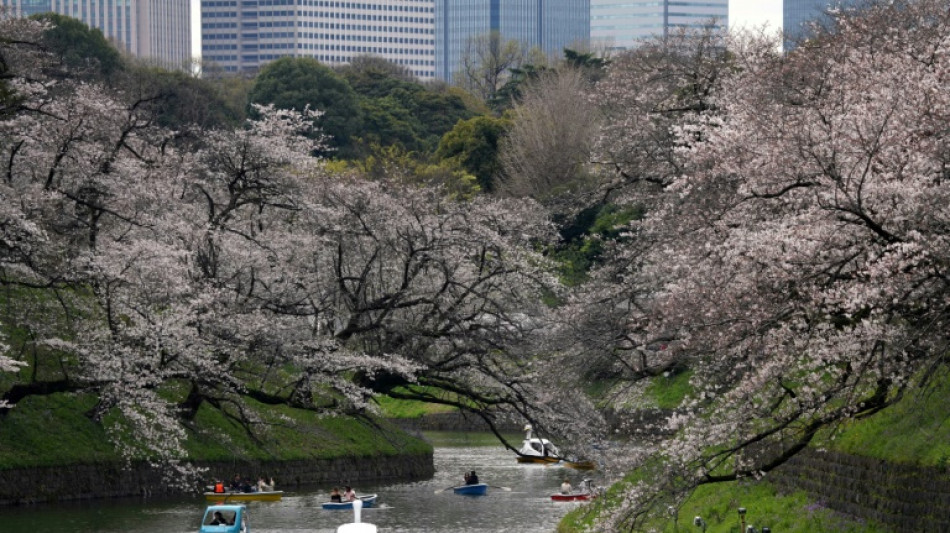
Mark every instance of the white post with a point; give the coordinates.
(357, 508)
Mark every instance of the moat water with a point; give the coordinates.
(420, 506)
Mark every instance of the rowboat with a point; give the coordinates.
(572, 497)
(368, 501)
(225, 519)
(262, 496)
(584, 493)
(477, 489)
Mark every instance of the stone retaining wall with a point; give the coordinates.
(903, 497)
(110, 480)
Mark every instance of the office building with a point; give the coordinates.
(617, 25)
(240, 36)
(158, 30)
(550, 25)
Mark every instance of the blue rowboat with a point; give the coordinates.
(368, 501)
(477, 489)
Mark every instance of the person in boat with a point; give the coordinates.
(218, 519)
(471, 479)
(349, 494)
(335, 495)
(588, 485)
(218, 487)
(236, 483)
(566, 487)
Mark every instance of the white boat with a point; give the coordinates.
(356, 526)
(537, 450)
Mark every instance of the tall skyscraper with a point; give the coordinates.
(150, 29)
(241, 36)
(551, 25)
(618, 25)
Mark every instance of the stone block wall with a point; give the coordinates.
(906, 498)
(111, 480)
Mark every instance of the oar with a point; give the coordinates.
(445, 489)
(506, 489)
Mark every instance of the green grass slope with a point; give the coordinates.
(54, 430)
(914, 431)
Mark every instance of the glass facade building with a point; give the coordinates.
(550, 25)
(240, 36)
(153, 29)
(617, 25)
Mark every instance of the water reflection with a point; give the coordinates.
(402, 507)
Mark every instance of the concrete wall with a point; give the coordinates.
(903, 497)
(110, 480)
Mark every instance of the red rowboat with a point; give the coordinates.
(572, 497)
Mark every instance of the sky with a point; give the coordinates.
(748, 13)
(754, 13)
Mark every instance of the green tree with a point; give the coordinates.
(295, 83)
(375, 76)
(439, 112)
(473, 143)
(80, 48)
(400, 110)
(593, 67)
(180, 100)
(510, 92)
(393, 163)
(386, 122)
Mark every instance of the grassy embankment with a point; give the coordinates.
(395, 408)
(54, 430)
(914, 431)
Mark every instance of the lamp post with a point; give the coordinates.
(674, 514)
(741, 519)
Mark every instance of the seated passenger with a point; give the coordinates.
(566, 487)
(335, 495)
(472, 479)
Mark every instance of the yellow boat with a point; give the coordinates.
(267, 496)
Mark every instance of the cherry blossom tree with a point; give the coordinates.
(793, 256)
(234, 267)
